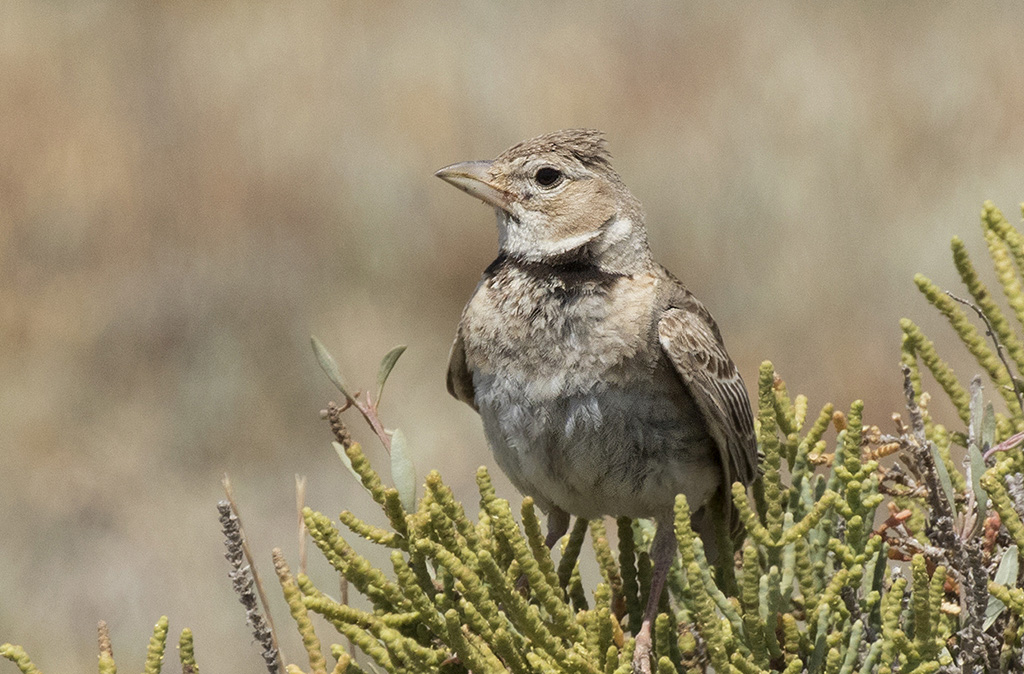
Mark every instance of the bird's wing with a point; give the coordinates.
(690, 338)
(460, 381)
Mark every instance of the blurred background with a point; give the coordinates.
(188, 190)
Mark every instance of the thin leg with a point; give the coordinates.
(558, 524)
(663, 551)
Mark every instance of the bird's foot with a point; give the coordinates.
(642, 650)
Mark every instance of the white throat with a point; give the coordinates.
(528, 240)
(616, 232)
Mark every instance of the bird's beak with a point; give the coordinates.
(472, 177)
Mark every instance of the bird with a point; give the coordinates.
(603, 384)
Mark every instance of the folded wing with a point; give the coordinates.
(690, 339)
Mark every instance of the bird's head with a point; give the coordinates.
(558, 199)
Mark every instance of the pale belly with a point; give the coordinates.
(604, 451)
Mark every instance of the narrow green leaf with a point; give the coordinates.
(980, 495)
(947, 484)
(1006, 575)
(327, 364)
(403, 472)
(988, 429)
(347, 461)
(387, 363)
(977, 410)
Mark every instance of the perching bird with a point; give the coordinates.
(603, 383)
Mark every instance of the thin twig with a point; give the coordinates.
(369, 411)
(242, 583)
(230, 493)
(999, 347)
(1007, 444)
(921, 448)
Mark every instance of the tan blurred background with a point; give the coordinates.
(188, 190)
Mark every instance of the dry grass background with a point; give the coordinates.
(188, 190)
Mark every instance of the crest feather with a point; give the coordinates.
(587, 146)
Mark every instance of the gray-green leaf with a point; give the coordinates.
(977, 410)
(988, 429)
(403, 472)
(1006, 575)
(343, 455)
(327, 364)
(387, 363)
(980, 495)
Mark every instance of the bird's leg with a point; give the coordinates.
(663, 551)
(558, 524)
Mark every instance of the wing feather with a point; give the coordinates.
(460, 381)
(692, 343)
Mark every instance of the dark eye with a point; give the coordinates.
(547, 176)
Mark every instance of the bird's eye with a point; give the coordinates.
(547, 176)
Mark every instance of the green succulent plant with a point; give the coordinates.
(865, 551)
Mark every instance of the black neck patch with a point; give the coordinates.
(575, 274)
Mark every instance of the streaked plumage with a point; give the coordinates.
(603, 384)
